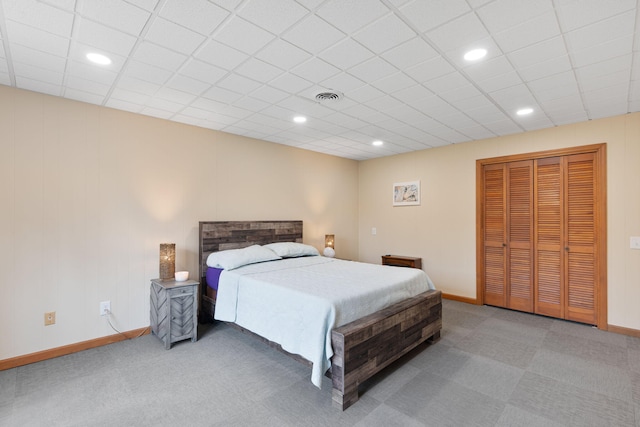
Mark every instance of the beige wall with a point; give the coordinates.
(442, 229)
(88, 193)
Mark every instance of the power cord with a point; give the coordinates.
(107, 314)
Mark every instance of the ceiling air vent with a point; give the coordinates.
(328, 96)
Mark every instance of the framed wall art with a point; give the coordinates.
(406, 193)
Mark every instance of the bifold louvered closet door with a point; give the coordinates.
(542, 231)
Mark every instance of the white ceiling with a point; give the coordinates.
(249, 66)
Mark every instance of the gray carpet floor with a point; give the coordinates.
(492, 367)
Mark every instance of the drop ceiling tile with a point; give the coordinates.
(394, 83)
(39, 15)
(384, 34)
(486, 114)
(187, 84)
(503, 127)
(553, 87)
(81, 96)
(84, 85)
(500, 82)
(38, 86)
(458, 95)
(410, 53)
(269, 94)
(290, 83)
(315, 70)
(351, 15)
(92, 72)
(174, 95)
(104, 38)
(282, 54)
(412, 93)
(346, 53)
(164, 105)
(37, 39)
(258, 70)
(545, 68)
(159, 56)
(373, 69)
(275, 17)
(503, 14)
(382, 105)
(447, 82)
(202, 71)
(364, 93)
(490, 68)
(31, 72)
(222, 95)
(144, 4)
(433, 106)
(252, 104)
(603, 81)
(123, 105)
(156, 112)
(115, 14)
(279, 113)
(602, 31)
(530, 32)
(129, 96)
(426, 16)
(39, 59)
(429, 70)
(342, 82)
(539, 52)
(222, 56)
(243, 35)
(201, 16)
(313, 35)
(135, 85)
(174, 37)
(460, 33)
(146, 72)
(602, 52)
(574, 14)
(513, 98)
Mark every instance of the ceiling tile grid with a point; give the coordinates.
(249, 66)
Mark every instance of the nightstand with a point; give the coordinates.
(402, 261)
(174, 310)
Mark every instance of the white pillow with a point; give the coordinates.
(234, 258)
(292, 249)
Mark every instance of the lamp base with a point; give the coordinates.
(329, 252)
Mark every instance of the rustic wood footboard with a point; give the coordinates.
(364, 347)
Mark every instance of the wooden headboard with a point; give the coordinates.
(221, 235)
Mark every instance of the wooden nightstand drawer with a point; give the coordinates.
(402, 261)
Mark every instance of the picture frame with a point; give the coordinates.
(406, 193)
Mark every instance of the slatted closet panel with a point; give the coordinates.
(542, 226)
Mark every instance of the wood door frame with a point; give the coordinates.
(600, 151)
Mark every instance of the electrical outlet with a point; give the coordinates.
(50, 318)
(105, 308)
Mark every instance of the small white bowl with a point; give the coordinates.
(181, 276)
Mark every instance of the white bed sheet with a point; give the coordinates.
(296, 302)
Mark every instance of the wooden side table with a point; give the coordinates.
(174, 310)
(402, 261)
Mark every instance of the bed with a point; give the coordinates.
(396, 319)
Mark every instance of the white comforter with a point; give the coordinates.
(296, 302)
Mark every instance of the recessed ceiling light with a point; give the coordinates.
(524, 111)
(299, 119)
(98, 58)
(377, 143)
(475, 54)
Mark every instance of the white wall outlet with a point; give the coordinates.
(374, 231)
(634, 242)
(105, 308)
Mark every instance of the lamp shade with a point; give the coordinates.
(329, 240)
(167, 260)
